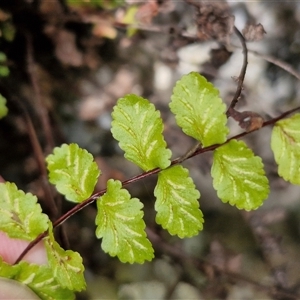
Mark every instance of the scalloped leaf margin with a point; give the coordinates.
(199, 110)
(121, 226)
(66, 265)
(21, 215)
(177, 203)
(138, 127)
(38, 278)
(73, 171)
(239, 176)
(285, 144)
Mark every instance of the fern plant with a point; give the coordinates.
(238, 178)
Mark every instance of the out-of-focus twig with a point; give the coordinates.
(40, 108)
(269, 245)
(241, 77)
(275, 61)
(201, 264)
(236, 96)
(39, 156)
(42, 112)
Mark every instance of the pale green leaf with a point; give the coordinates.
(177, 203)
(198, 110)
(66, 265)
(39, 278)
(121, 226)
(7, 270)
(138, 127)
(239, 176)
(3, 107)
(73, 171)
(21, 215)
(285, 143)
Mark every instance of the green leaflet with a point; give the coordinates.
(285, 144)
(73, 171)
(38, 278)
(7, 270)
(198, 109)
(66, 265)
(138, 127)
(21, 215)
(121, 226)
(177, 203)
(3, 107)
(238, 176)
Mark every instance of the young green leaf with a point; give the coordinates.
(21, 215)
(40, 280)
(73, 171)
(3, 107)
(66, 265)
(138, 127)
(120, 225)
(177, 203)
(198, 109)
(285, 143)
(238, 176)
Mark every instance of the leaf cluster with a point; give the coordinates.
(238, 178)
(22, 218)
(238, 174)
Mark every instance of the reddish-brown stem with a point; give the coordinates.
(40, 159)
(94, 197)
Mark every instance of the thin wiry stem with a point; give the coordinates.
(241, 77)
(236, 96)
(40, 108)
(176, 161)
